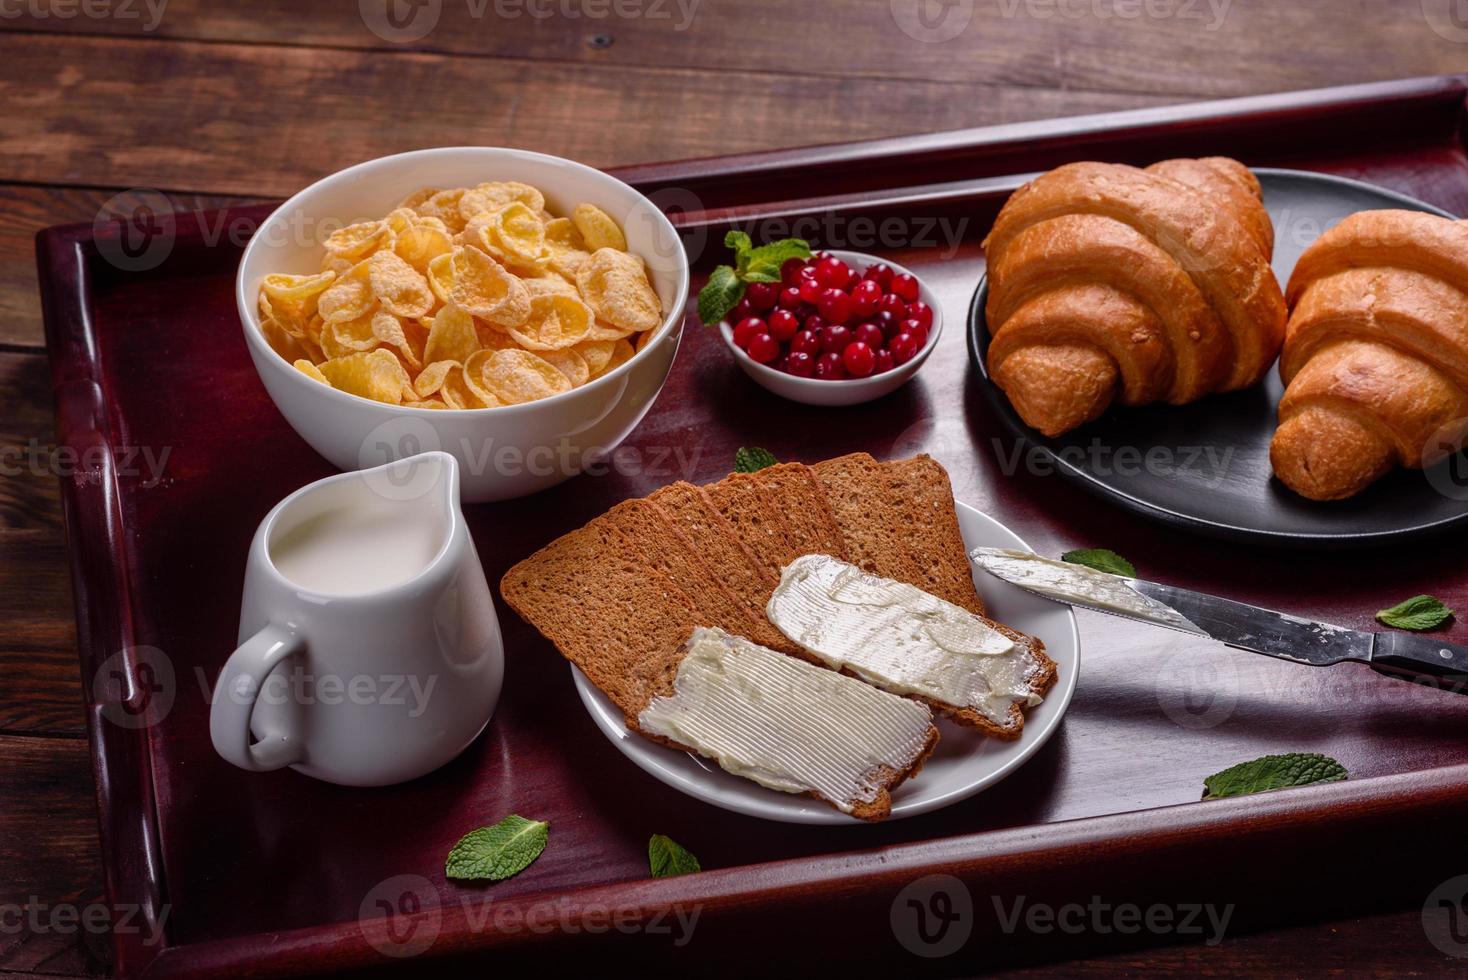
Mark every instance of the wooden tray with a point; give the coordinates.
(279, 874)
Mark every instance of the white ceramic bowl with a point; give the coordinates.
(852, 391)
(503, 452)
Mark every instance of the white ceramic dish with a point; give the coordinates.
(852, 391)
(503, 452)
(963, 764)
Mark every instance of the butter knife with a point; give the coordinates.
(1406, 656)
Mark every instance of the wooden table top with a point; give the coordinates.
(222, 103)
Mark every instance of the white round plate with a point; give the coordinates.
(963, 764)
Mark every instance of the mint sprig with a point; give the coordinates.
(1102, 560)
(1421, 612)
(1272, 772)
(668, 859)
(726, 285)
(498, 852)
(752, 459)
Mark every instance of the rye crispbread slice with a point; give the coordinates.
(856, 489)
(668, 549)
(606, 611)
(920, 486)
(742, 502)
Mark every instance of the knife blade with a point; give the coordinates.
(1416, 658)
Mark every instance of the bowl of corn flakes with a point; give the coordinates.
(517, 310)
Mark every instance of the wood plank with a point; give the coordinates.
(1202, 48)
(51, 857)
(24, 210)
(42, 690)
(253, 120)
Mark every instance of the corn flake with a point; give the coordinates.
(376, 375)
(517, 376)
(598, 229)
(614, 284)
(556, 322)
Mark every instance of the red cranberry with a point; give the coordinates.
(885, 362)
(764, 348)
(892, 303)
(800, 363)
(790, 272)
(790, 298)
(906, 287)
(742, 311)
(835, 338)
(833, 273)
(870, 334)
(810, 287)
(815, 323)
(904, 347)
(747, 329)
(891, 325)
(922, 313)
(858, 360)
(761, 296)
(881, 274)
(806, 342)
(783, 325)
(918, 333)
(865, 296)
(822, 255)
(830, 368)
(835, 306)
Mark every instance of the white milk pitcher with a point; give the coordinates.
(369, 649)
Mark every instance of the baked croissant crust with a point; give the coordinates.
(1109, 283)
(1375, 360)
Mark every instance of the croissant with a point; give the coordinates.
(1375, 360)
(1109, 283)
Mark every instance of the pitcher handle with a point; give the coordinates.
(234, 700)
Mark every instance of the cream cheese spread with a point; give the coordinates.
(784, 723)
(901, 638)
(1067, 582)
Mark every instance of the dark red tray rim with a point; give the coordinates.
(951, 164)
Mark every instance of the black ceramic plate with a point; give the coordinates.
(1205, 466)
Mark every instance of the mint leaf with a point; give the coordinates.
(1273, 772)
(763, 264)
(752, 460)
(739, 241)
(668, 859)
(1421, 612)
(498, 852)
(1101, 559)
(720, 295)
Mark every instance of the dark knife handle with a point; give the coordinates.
(1423, 660)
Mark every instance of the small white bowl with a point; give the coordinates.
(503, 452)
(851, 391)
